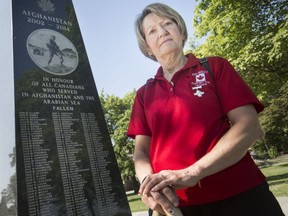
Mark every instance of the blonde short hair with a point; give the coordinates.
(163, 11)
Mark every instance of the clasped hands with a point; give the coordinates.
(158, 190)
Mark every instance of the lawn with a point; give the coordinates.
(276, 172)
(135, 203)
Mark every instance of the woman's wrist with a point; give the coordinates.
(143, 179)
(196, 171)
(192, 174)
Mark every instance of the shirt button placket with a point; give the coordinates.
(172, 87)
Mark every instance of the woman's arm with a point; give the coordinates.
(141, 157)
(166, 198)
(232, 147)
(245, 130)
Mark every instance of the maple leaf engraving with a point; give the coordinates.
(46, 5)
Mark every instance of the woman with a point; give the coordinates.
(192, 131)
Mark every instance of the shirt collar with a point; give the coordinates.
(191, 62)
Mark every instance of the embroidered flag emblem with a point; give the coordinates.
(200, 77)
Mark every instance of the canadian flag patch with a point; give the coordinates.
(200, 77)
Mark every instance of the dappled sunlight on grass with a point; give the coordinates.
(135, 203)
(277, 176)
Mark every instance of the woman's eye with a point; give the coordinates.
(168, 23)
(151, 31)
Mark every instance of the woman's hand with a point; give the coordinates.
(158, 189)
(179, 179)
(165, 198)
(176, 179)
(157, 201)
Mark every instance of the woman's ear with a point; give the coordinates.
(149, 51)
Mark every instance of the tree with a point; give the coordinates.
(3, 203)
(117, 113)
(8, 205)
(253, 36)
(274, 121)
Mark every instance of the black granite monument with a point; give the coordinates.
(65, 159)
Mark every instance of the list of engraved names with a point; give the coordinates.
(72, 150)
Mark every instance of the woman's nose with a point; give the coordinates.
(163, 31)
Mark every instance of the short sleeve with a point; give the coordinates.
(231, 88)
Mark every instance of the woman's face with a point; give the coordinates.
(162, 36)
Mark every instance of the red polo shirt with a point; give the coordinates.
(186, 117)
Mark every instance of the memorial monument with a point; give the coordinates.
(65, 159)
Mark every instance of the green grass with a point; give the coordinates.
(135, 203)
(277, 176)
(276, 172)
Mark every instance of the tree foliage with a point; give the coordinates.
(274, 121)
(117, 113)
(8, 205)
(253, 36)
